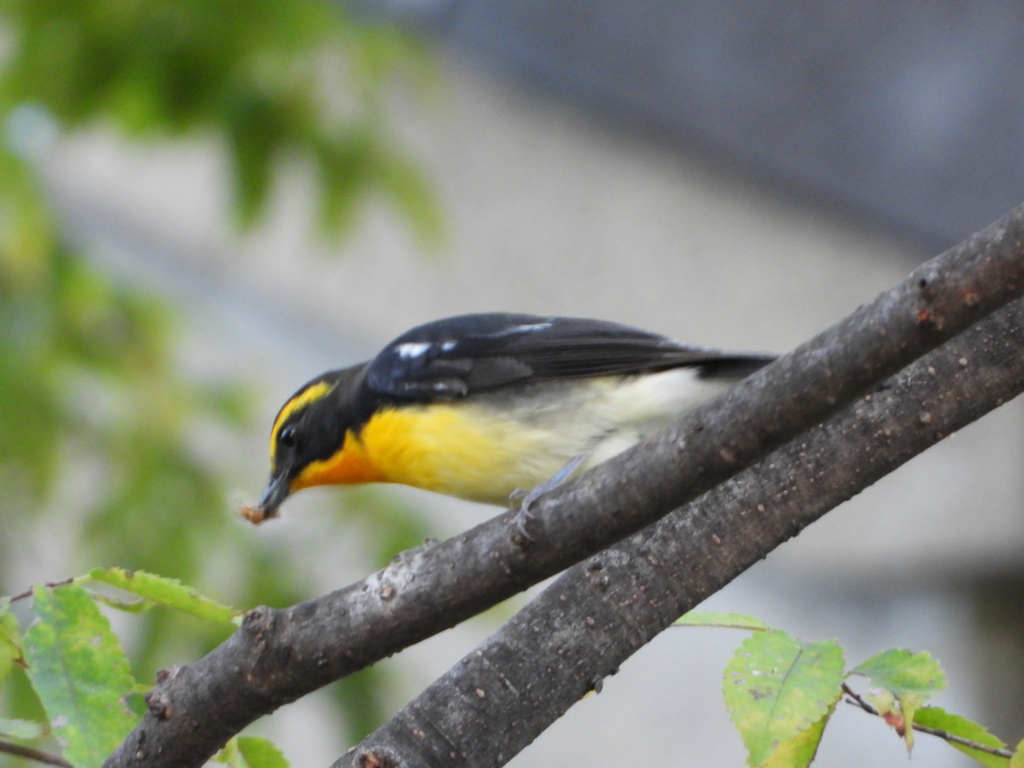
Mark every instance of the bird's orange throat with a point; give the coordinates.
(351, 464)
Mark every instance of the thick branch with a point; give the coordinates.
(500, 697)
(278, 656)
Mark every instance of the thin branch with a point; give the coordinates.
(278, 656)
(49, 585)
(501, 696)
(34, 754)
(857, 701)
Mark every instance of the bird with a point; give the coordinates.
(481, 406)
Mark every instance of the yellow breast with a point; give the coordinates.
(459, 450)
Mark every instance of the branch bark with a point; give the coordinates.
(501, 696)
(278, 656)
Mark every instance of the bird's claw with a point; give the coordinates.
(521, 500)
(525, 499)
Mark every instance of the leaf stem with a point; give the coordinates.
(34, 754)
(857, 701)
(48, 585)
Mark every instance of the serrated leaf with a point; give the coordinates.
(165, 591)
(936, 717)
(1017, 761)
(913, 678)
(80, 674)
(903, 672)
(10, 641)
(799, 751)
(21, 729)
(776, 686)
(261, 753)
(716, 619)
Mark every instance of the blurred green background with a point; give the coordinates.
(88, 374)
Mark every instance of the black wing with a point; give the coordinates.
(454, 357)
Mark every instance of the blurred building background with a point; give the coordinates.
(730, 174)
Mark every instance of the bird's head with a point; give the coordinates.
(312, 439)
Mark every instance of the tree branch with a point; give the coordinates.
(501, 696)
(49, 585)
(278, 656)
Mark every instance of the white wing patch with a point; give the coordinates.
(412, 349)
(525, 328)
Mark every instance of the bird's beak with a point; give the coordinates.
(276, 493)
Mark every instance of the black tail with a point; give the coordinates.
(734, 368)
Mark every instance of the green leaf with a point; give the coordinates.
(261, 753)
(913, 678)
(229, 755)
(10, 641)
(169, 592)
(903, 672)
(799, 751)
(1017, 761)
(21, 729)
(936, 717)
(251, 752)
(80, 673)
(716, 619)
(776, 686)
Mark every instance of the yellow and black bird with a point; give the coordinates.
(479, 406)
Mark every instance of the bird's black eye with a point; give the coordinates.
(287, 437)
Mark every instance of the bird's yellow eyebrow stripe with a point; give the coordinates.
(304, 398)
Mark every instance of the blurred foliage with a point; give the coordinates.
(88, 380)
(272, 78)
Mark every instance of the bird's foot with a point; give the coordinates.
(524, 500)
(520, 500)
